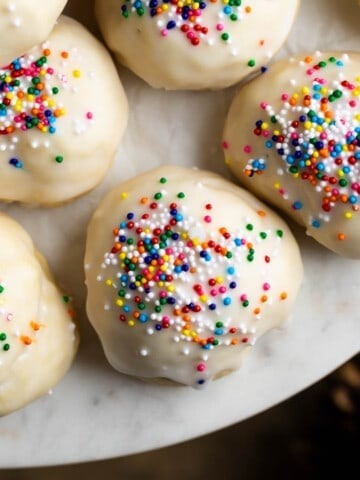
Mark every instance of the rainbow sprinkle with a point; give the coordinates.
(160, 253)
(27, 99)
(186, 16)
(316, 132)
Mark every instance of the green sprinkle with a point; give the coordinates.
(229, 255)
(263, 235)
(251, 63)
(6, 347)
(225, 36)
(279, 233)
(245, 303)
(181, 195)
(66, 298)
(141, 306)
(233, 17)
(219, 324)
(157, 309)
(121, 293)
(215, 342)
(59, 158)
(250, 227)
(343, 182)
(2, 336)
(158, 195)
(55, 90)
(1, 289)
(163, 180)
(322, 64)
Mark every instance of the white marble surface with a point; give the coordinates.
(96, 413)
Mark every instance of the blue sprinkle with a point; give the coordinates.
(227, 301)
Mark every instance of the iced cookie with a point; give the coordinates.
(24, 24)
(292, 136)
(185, 271)
(195, 45)
(62, 115)
(38, 338)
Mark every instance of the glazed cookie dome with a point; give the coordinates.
(38, 338)
(24, 24)
(62, 115)
(185, 271)
(292, 136)
(195, 45)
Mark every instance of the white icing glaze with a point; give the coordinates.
(163, 54)
(87, 110)
(38, 338)
(327, 139)
(24, 24)
(186, 305)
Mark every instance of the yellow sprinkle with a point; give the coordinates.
(184, 235)
(203, 298)
(305, 90)
(340, 173)
(165, 7)
(195, 241)
(31, 98)
(151, 268)
(163, 268)
(277, 185)
(108, 282)
(227, 160)
(264, 126)
(193, 333)
(131, 323)
(122, 256)
(319, 129)
(357, 117)
(137, 284)
(76, 73)
(123, 195)
(219, 279)
(171, 288)
(276, 132)
(161, 284)
(119, 302)
(307, 125)
(324, 90)
(348, 215)
(51, 102)
(147, 230)
(186, 332)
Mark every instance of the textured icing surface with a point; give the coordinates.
(37, 334)
(293, 137)
(194, 45)
(24, 24)
(62, 114)
(184, 272)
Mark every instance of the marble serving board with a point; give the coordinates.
(97, 413)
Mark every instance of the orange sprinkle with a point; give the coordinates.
(308, 59)
(36, 326)
(263, 298)
(343, 198)
(144, 200)
(234, 341)
(247, 9)
(71, 313)
(341, 236)
(261, 213)
(283, 296)
(47, 52)
(177, 312)
(261, 43)
(26, 340)
(65, 54)
(257, 310)
(192, 270)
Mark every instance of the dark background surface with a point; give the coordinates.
(312, 435)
